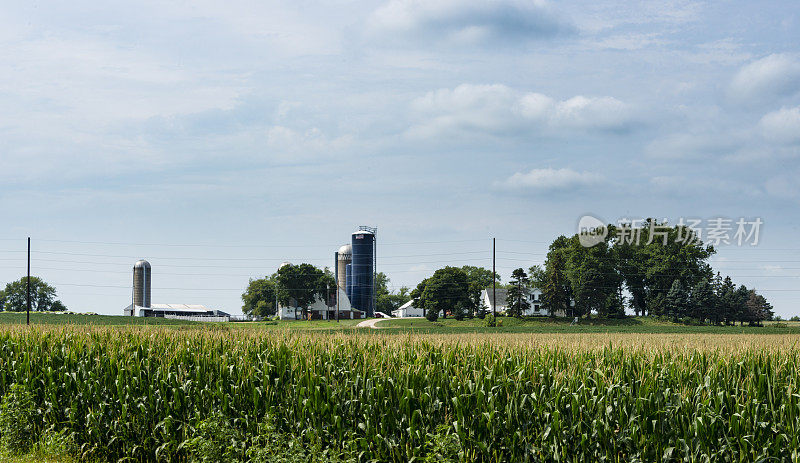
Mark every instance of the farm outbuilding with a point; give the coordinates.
(179, 311)
(408, 310)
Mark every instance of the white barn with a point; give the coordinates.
(320, 310)
(408, 310)
(192, 312)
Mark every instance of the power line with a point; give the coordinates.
(208, 245)
(237, 258)
(246, 267)
(250, 275)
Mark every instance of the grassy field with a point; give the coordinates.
(277, 392)
(417, 325)
(38, 318)
(297, 325)
(563, 325)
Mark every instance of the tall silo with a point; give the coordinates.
(345, 257)
(141, 284)
(363, 243)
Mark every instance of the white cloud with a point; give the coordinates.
(629, 41)
(783, 186)
(703, 186)
(552, 180)
(782, 126)
(602, 113)
(289, 144)
(597, 17)
(766, 79)
(693, 145)
(465, 21)
(95, 82)
(501, 110)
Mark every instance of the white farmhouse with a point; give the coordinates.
(533, 295)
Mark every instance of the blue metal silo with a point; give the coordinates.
(363, 271)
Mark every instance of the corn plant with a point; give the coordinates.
(140, 393)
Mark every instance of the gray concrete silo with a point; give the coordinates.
(345, 257)
(141, 284)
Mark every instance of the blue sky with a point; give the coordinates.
(260, 132)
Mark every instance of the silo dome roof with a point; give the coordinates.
(141, 264)
(346, 249)
(284, 265)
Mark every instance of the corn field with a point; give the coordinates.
(138, 393)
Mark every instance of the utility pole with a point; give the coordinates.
(336, 279)
(494, 280)
(374, 269)
(28, 317)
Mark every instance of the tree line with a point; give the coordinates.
(662, 273)
(451, 290)
(665, 273)
(300, 285)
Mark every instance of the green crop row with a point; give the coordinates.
(138, 394)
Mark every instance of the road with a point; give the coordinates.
(371, 323)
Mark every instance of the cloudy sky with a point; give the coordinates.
(218, 139)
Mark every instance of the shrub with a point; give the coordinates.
(490, 320)
(444, 446)
(215, 440)
(271, 446)
(432, 315)
(57, 444)
(17, 420)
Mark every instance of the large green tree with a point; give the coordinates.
(260, 298)
(677, 301)
(447, 290)
(517, 295)
(43, 296)
(478, 279)
(758, 308)
(703, 301)
(728, 301)
(741, 312)
(650, 257)
(299, 285)
(553, 281)
(593, 277)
